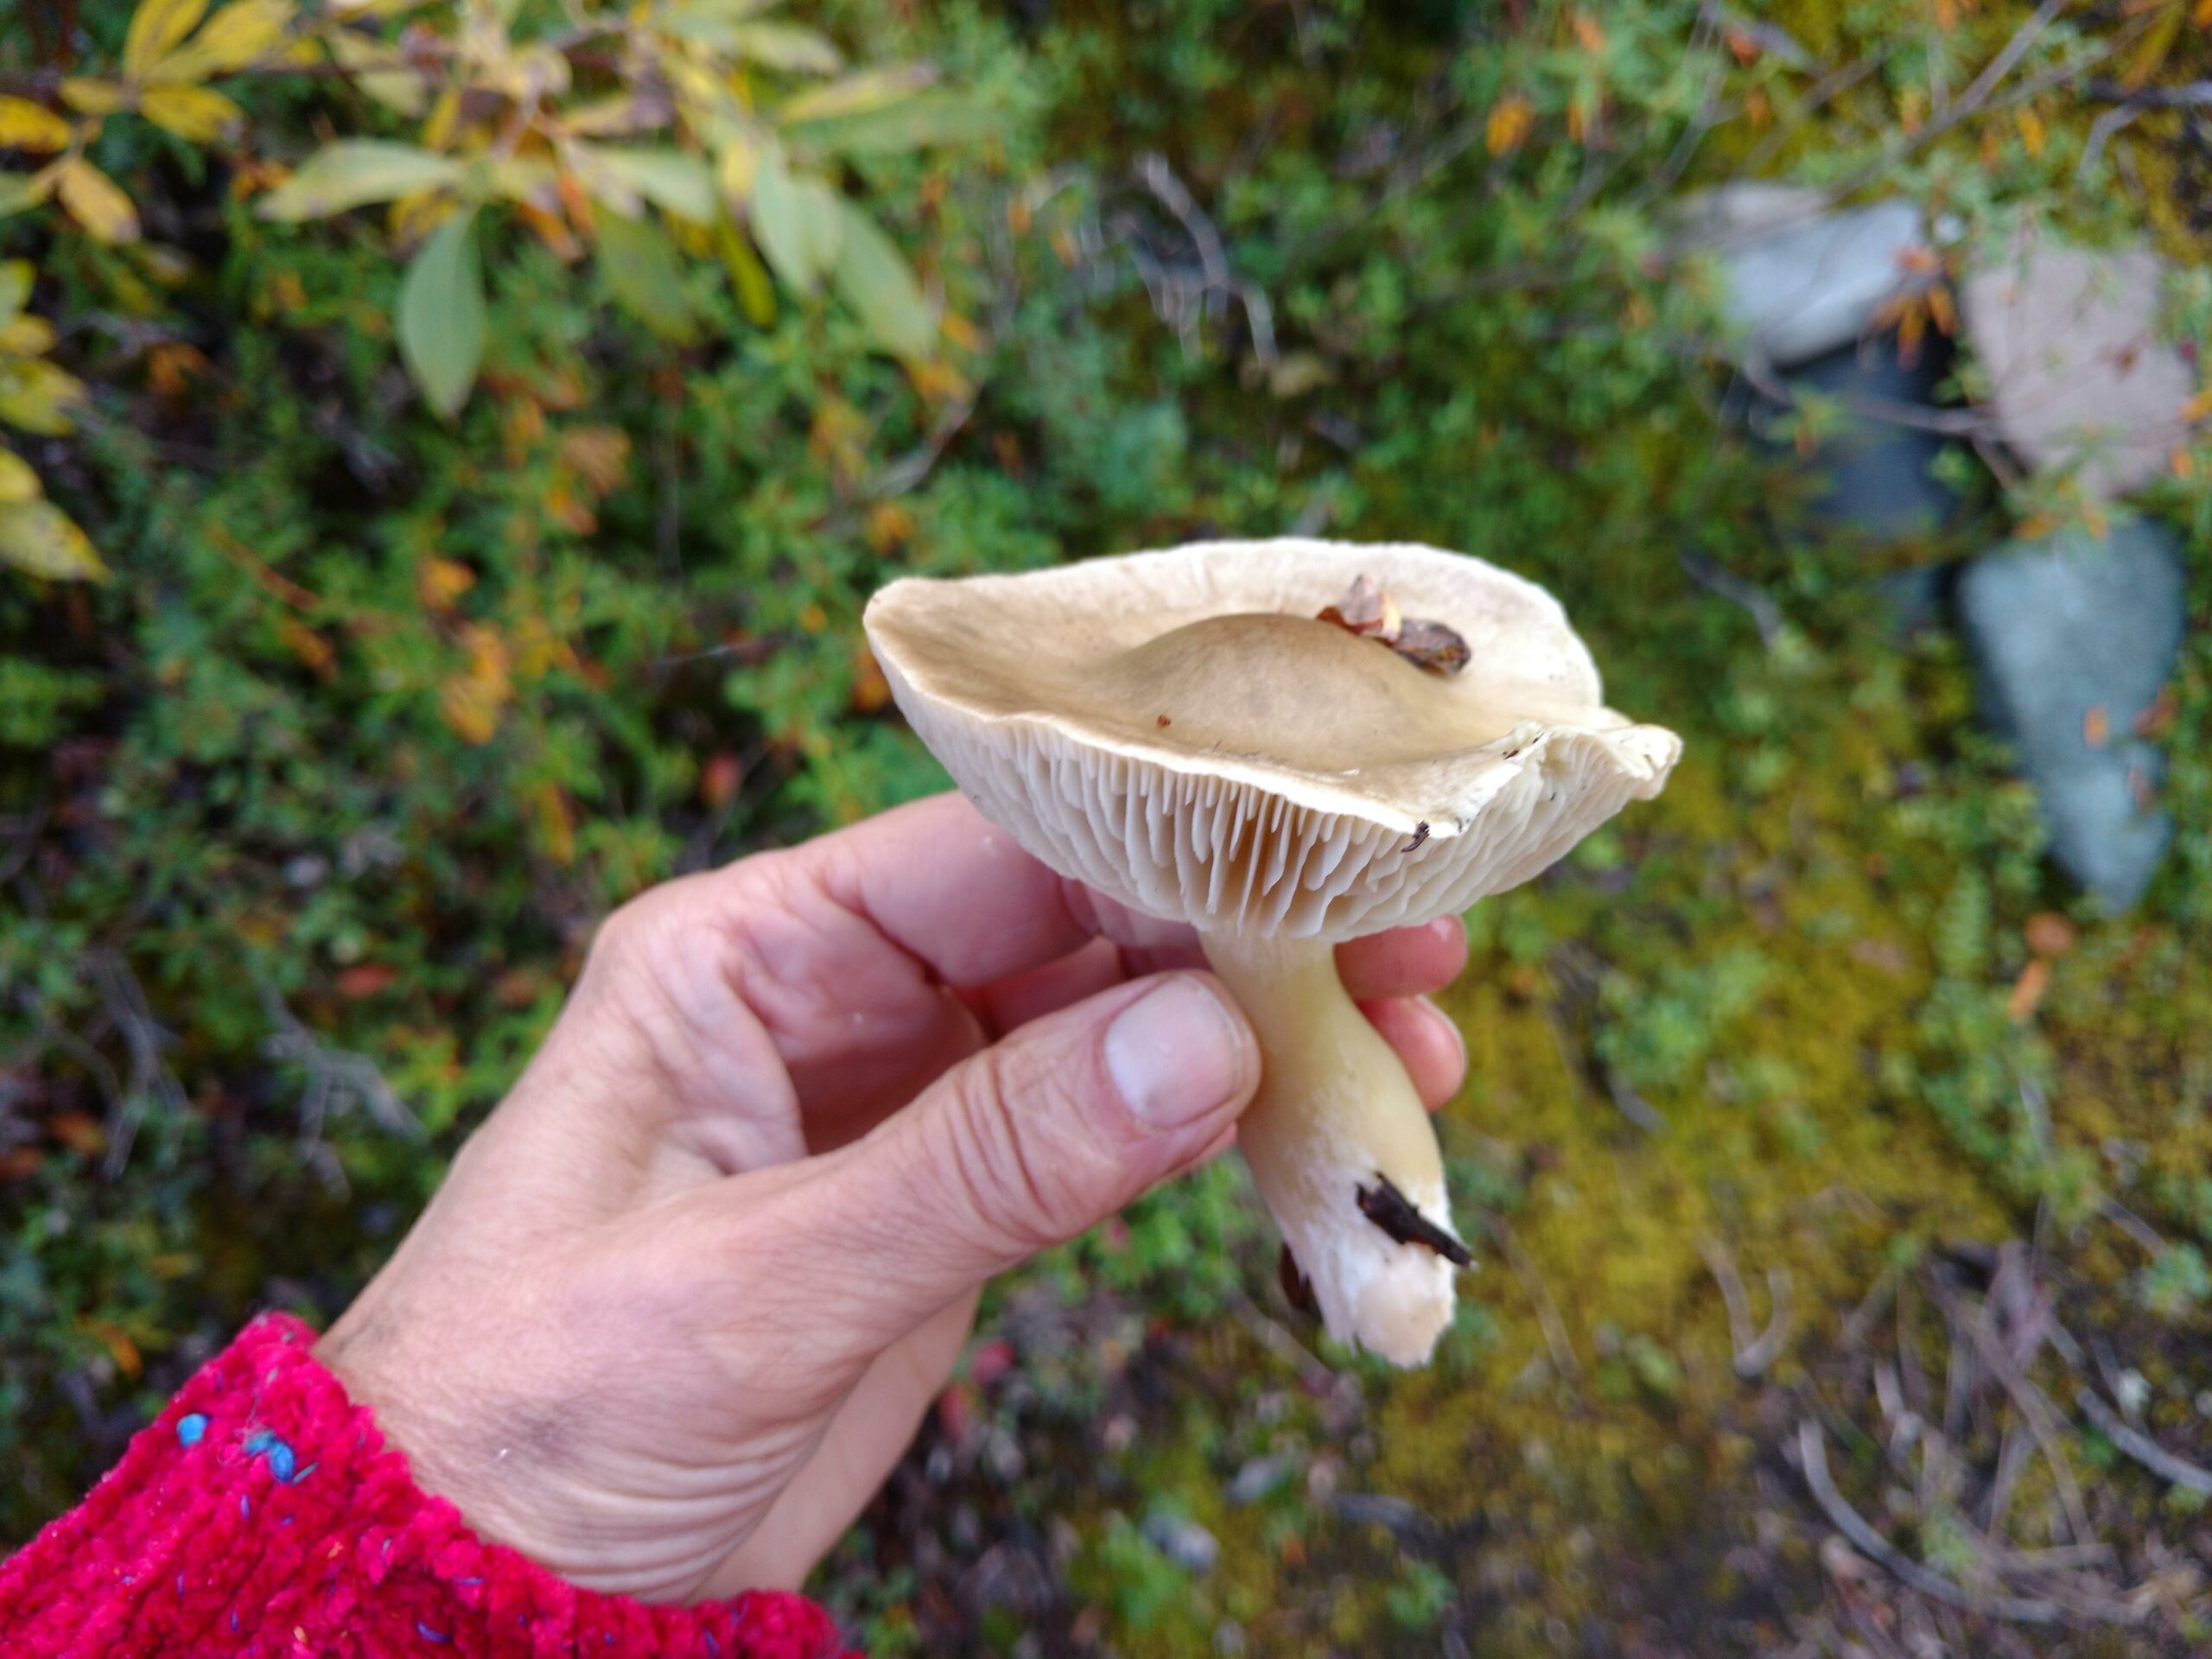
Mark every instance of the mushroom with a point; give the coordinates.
(1185, 733)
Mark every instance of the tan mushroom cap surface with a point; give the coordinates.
(1177, 729)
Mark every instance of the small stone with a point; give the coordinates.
(2068, 341)
(307, 870)
(1257, 1479)
(2057, 628)
(1802, 280)
(1183, 1541)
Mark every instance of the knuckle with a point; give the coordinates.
(1002, 1161)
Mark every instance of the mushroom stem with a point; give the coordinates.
(1336, 1113)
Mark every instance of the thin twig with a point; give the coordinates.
(1755, 1350)
(2141, 1447)
(1631, 1103)
(2041, 1417)
(334, 1074)
(2197, 95)
(1173, 293)
(1812, 1451)
(1765, 613)
(1554, 1328)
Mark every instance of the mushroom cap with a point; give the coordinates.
(1176, 729)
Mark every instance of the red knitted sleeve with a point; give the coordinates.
(263, 1515)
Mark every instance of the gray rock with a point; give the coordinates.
(1183, 1541)
(2078, 373)
(1802, 280)
(2072, 639)
(1874, 474)
(1260, 1477)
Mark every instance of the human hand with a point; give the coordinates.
(683, 1299)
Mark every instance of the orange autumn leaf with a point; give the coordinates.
(365, 979)
(1510, 121)
(2049, 934)
(1942, 310)
(598, 454)
(311, 647)
(871, 691)
(79, 1131)
(557, 826)
(440, 582)
(2028, 990)
(719, 780)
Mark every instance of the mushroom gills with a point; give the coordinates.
(1336, 1122)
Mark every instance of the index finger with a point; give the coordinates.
(957, 892)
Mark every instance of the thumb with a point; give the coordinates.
(1021, 1147)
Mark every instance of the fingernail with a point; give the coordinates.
(1451, 1026)
(1176, 1054)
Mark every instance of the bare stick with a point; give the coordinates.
(2142, 1447)
(1754, 1351)
(1812, 1451)
(1554, 1328)
(2042, 1418)
(1766, 615)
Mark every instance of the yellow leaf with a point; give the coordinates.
(1511, 119)
(193, 113)
(556, 828)
(89, 96)
(25, 125)
(26, 336)
(440, 582)
(2032, 131)
(38, 538)
(2196, 408)
(36, 397)
(17, 482)
(379, 71)
(236, 36)
(2158, 45)
(96, 203)
(157, 27)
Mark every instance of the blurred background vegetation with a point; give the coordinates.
(447, 447)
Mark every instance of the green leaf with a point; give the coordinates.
(785, 46)
(797, 222)
(39, 538)
(644, 275)
(355, 171)
(874, 277)
(684, 185)
(20, 190)
(694, 13)
(871, 89)
(896, 129)
(441, 314)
